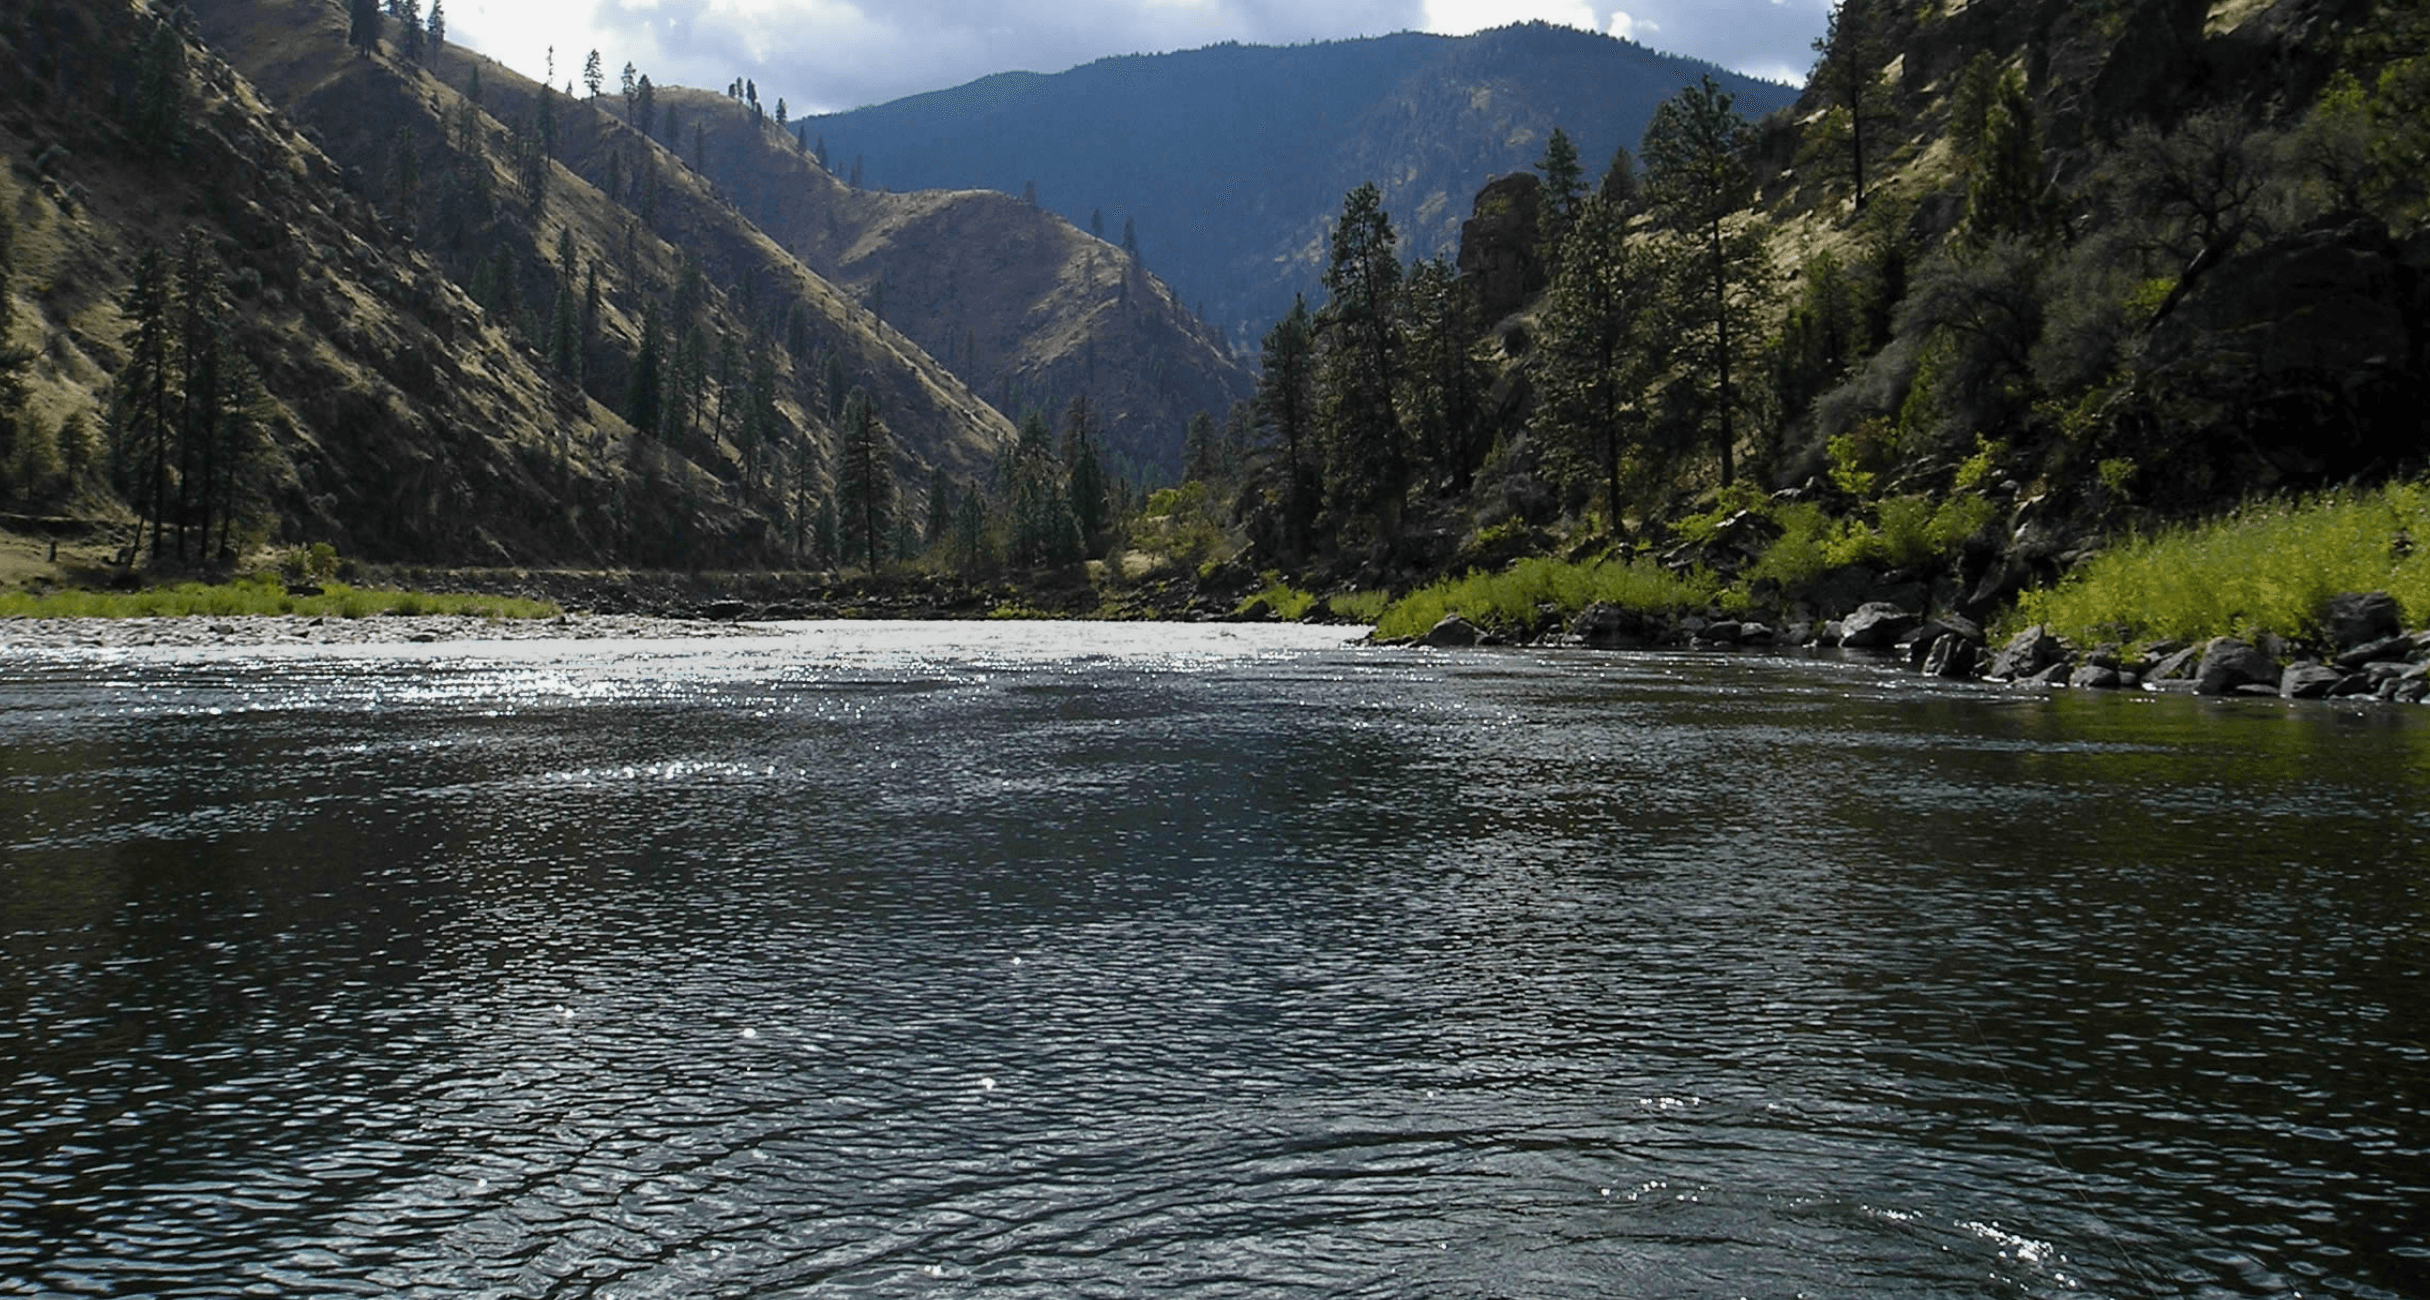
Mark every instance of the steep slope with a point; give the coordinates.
(1230, 162)
(1027, 308)
(392, 420)
(530, 227)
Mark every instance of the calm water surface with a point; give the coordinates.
(1067, 960)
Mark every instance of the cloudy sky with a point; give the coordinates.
(832, 54)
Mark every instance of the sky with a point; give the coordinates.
(825, 55)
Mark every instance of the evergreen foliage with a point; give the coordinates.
(864, 482)
(1697, 182)
(1359, 365)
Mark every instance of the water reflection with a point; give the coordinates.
(1085, 961)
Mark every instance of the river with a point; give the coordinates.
(1075, 960)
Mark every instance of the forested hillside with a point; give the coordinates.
(1223, 165)
(2012, 280)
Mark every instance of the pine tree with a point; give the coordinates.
(1849, 56)
(363, 26)
(864, 479)
(1564, 182)
(2004, 195)
(438, 29)
(140, 396)
(1697, 181)
(409, 21)
(1444, 384)
(1358, 366)
(940, 507)
(644, 400)
(593, 74)
(1286, 404)
(1202, 459)
(1593, 346)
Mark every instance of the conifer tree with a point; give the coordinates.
(141, 414)
(409, 23)
(644, 400)
(1201, 458)
(1286, 404)
(940, 507)
(1443, 385)
(438, 29)
(1358, 366)
(1594, 346)
(864, 479)
(1564, 182)
(363, 26)
(1697, 181)
(1849, 56)
(2004, 195)
(593, 74)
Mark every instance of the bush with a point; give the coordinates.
(1508, 601)
(2268, 567)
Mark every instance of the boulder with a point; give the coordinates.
(2359, 618)
(2095, 677)
(1951, 656)
(2228, 664)
(1876, 625)
(2385, 649)
(2027, 653)
(1453, 630)
(2309, 682)
(2176, 665)
(2055, 675)
(1724, 632)
(1754, 634)
(1609, 627)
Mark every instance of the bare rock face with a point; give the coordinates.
(1498, 244)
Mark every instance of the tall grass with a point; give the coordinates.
(260, 595)
(2269, 567)
(1507, 601)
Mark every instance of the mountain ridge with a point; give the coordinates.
(1191, 147)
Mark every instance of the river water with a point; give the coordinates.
(1071, 960)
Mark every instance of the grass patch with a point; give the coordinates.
(2268, 567)
(1289, 603)
(1507, 601)
(1360, 606)
(260, 595)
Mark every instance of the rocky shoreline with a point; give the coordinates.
(2364, 653)
(199, 630)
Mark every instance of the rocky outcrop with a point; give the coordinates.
(1498, 244)
(2359, 618)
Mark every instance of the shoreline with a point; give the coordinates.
(194, 631)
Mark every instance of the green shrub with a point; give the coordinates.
(1360, 606)
(2268, 567)
(1508, 601)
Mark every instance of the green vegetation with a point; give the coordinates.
(1510, 601)
(262, 594)
(1287, 602)
(2269, 567)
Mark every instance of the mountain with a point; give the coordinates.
(1230, 162)
(1027, 308)
(409, 273)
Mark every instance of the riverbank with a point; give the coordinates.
(387, 629)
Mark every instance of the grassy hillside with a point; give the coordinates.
(1027, 308)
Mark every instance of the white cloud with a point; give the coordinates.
(1629, 27)
(1461, 17)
